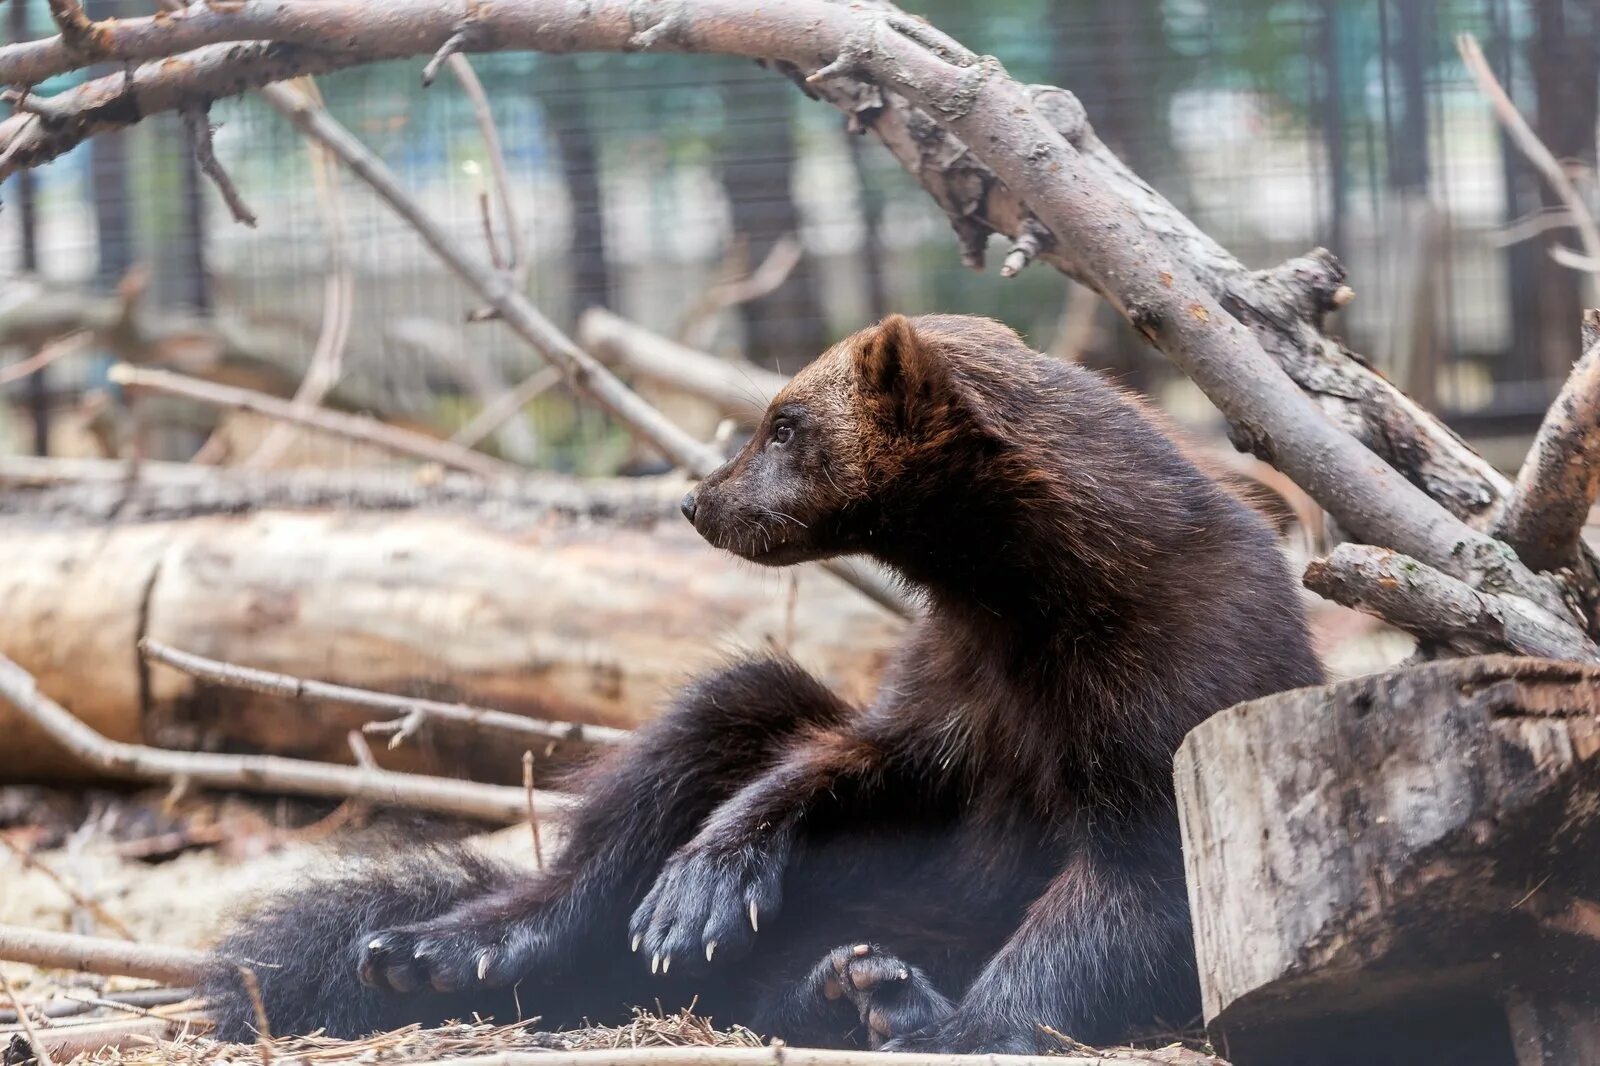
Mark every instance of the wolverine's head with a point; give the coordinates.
(839, 443)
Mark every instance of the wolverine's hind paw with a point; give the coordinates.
(705, 902)
(891, 997)
(447, 956)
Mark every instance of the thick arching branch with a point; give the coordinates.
(1282, 306)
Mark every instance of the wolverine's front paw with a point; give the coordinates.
(971, 1033)
(707, 899)
(446, 956)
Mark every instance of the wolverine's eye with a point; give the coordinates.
(782, 433)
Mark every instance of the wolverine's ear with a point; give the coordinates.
(898, 369)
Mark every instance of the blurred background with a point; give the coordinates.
(644, 181)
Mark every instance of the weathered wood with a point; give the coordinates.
(568, 613)
(1413, 847)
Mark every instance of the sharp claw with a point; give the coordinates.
(904, 974)
(483, 965)
(375, 943)
(666, 963)
(637, 940)
(861, 949)
(655, 963)
(711, 947)
(755, 924)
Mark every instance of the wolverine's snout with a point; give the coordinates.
(686, 505)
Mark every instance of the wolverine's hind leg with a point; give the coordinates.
(634, 809)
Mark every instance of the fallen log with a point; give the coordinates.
(553, 600)
(1413, 855)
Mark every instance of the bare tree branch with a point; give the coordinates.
(735, 288)
(1528, 142)
(1560, 477)
(197, 120)
(1439, 610)
(516, 240)
(471, 365)
(338, 305)
(79, 898)
(39, 1050)
(407, 707)
(49, 353)
(586, 374)
(256, 773)
(353, 427)
(736, 387)
(93, 954)
(508, 405)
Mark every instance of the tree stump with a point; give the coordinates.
(1401, 868)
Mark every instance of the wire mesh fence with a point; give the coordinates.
(640, 180)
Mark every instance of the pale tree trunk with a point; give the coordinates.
(559, 600)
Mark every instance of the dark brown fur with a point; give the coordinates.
(996, 830)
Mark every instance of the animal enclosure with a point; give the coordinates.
(363, 363)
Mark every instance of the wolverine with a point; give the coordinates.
(986, 852)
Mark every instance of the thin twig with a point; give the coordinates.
(1573, 260)
(1540, 220)
(338, 304)
(102, 955)
(1528, 142)
(132, 1000)
(471, 365)
(361, 750)
(197, 121)
(88, 903)
(49, 353)
(216, 672)
(452, 44)
(39, 1050)
(467, 78)
(507, 405)
(733, 290)
(354, 427)
(169, 996)
(255, 773)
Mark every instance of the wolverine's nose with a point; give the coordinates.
(687, 506)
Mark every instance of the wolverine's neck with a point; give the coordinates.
(1026, 553)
